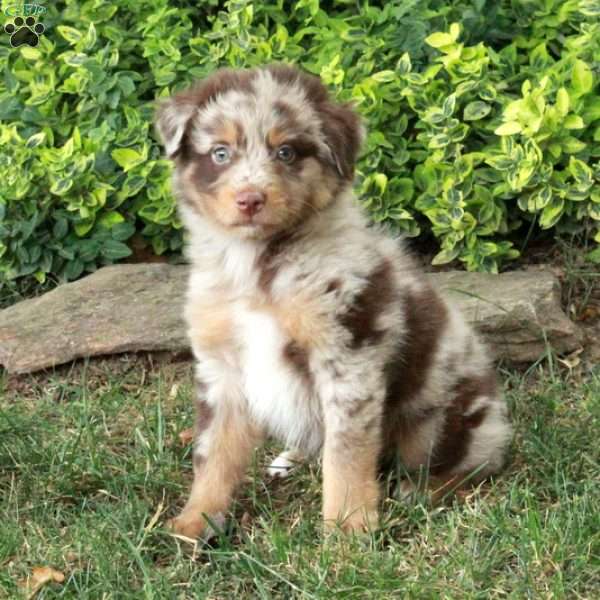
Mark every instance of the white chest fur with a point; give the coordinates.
(278, 396)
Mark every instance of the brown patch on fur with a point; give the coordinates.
(298, 357)
(213, 317)
(277, 136)
(230, 133)
(204, 416)
(412, 438)
(455, 438)
(361, 318)
(233, 439)
(204, 172)
(333, 286)
(426, 316)
(303, 320)
(342, 129)
(350, 487)
(267, 262)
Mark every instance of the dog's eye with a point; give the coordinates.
(220, 155)
(286, 153)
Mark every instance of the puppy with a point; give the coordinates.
(307, 324)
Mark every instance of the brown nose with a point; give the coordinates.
(250, 201)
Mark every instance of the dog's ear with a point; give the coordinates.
(344, 135)
(172, 118)
(174, 115)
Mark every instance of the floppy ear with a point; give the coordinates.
(172, 118)
(344, 135)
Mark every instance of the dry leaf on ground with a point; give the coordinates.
(40, 576)
(186, 436)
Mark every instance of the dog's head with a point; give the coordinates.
(258, 151)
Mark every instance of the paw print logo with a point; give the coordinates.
(24, 31)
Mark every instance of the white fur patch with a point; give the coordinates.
(284, 464)
(277, 397)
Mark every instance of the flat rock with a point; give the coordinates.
(121, 308)
(130, 308)
(518, 313)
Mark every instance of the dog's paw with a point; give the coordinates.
(191, 525)
(359, 522)
(284, 464)
(188, 525)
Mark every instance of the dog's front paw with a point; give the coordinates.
(358, 522)
(192, 525)
(188, 524)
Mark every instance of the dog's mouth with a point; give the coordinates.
(256, 221)
(253, 227)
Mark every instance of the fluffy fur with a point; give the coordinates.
(308, 324)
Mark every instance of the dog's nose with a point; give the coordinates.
(250, 201)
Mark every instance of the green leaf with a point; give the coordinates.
(449, 105)
(581, 173)
(439, 39)
(573, 122)
(562, 101)
(404, 65)
(594, 256)
(582, 79)
(127, 158)
(510, 128)
(572, 145)
(90, 37)
(61, 226)
(455, 31)
(594, 211)
(88, 250)
(70, 34)
(445, 256)
(83, 227)
(110, 219)
(384, 76)
(36, 139)
(476, 110)
(122, 231)
(61, 186)
(30, 53)
(114, 250)
(74, 59)
(73, 269)
(552, 213)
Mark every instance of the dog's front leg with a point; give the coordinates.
(350, 463)
(225, 439)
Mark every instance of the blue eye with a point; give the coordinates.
(286, 153)
(220, 155)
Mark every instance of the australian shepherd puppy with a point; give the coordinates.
(308, 324)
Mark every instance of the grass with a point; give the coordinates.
(91, 465)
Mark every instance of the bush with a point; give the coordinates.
(484, 119)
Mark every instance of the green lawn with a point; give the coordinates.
(91, 466)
